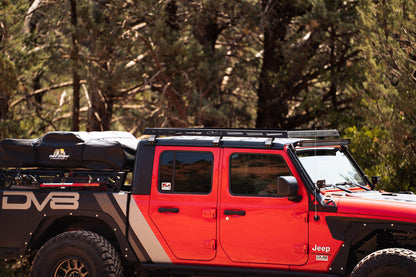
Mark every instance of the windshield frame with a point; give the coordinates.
(366, 184)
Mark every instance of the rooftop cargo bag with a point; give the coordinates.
(91, 150)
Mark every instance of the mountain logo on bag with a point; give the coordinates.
(59, 154)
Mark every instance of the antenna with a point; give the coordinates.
(316, 216)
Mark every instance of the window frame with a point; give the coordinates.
(166, 192)
(254, 153)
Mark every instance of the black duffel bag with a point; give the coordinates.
(90, 150)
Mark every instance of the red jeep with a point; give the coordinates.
(239, 202)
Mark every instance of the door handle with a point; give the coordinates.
(234, 212)
(169, 210)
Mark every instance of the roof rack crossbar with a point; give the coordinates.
(218, 132)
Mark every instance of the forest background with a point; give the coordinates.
(126, 65)
(284, 64)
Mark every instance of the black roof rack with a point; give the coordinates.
(231, 132)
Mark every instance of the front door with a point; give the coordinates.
(183, 203)
(256, 226)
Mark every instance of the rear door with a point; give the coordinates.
(256, 226)
(183, 203)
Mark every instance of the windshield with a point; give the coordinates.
(331, 165)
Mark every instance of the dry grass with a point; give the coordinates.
(14, 268)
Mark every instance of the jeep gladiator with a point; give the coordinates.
(238, 202)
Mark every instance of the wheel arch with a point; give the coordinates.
(53, 226)
(362, 236)
(99, 223)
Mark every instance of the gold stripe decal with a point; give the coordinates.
(121, 199)
(146, 236)
(106, 205)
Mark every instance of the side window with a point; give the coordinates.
(256, 174)
(185, 172)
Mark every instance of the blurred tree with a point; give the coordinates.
(200, 63)
(76, 86)
(68, 44)
(9, 71)
(309, 63)
(8, 86)
(389, 37)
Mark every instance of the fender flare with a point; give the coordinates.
(348, 229)
(42, 232)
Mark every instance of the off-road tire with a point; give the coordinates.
(77, 253)
(391, 262)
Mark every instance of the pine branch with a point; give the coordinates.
(43, 90)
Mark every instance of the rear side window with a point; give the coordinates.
(256, 174)
(185, 172)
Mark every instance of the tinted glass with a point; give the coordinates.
(256, 174)
(185, 172)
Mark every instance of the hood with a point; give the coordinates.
(384, 196)
(377, 203)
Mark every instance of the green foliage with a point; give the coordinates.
(366, 147)
(200, 63)
(8, 78)
(389, 92)
(278, 64)
(8, 86)
(9, 128)
(312, 68)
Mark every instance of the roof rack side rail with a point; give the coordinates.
(231, 132)
(313, 133)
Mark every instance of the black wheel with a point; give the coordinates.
(77, 254)
(391, 262)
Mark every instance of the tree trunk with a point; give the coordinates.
(272, 106)
(75, 75)
(206, 30)
(100, 111)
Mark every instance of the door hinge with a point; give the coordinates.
(301, 215)
(210, 244)
(301, 248)
(209, 214)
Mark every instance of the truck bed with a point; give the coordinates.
(63, 179)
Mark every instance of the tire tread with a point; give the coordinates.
(398, 257)
(110, 259)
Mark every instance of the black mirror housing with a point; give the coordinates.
(375, 180)
(287, 186)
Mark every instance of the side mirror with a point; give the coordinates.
(375, 180)
(287, 186)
